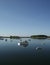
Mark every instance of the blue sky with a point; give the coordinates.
(24, 17)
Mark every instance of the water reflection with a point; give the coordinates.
(5, 39)
(11, 40)
(29, 39)
(44, 43)
(31, 51)
(20, 39)
(24, 44)
(1, 38)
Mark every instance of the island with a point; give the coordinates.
(14, 37)
(39, 36)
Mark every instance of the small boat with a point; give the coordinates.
(5, 39)
(38, 48)
(18, 44)
(24, 43)
(1, 39)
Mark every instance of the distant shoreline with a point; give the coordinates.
(33, 36)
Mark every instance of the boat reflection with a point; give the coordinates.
(24, 44)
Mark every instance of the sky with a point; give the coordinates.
(24, 17)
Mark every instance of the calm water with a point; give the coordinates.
(36, 51)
